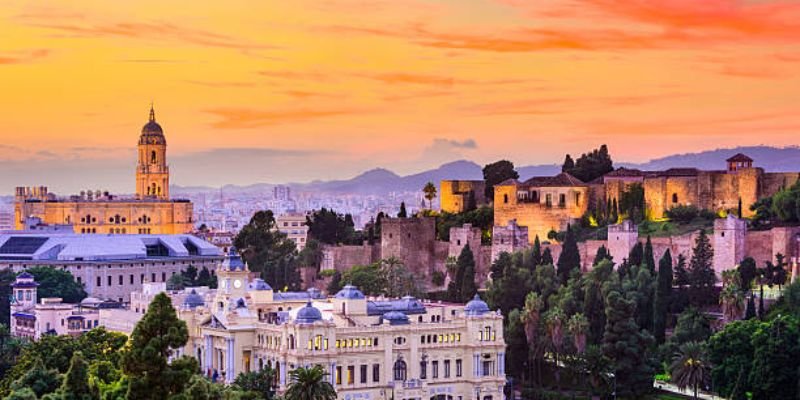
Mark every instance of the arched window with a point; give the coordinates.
(153, 157)
(674, 198)
(400, 371)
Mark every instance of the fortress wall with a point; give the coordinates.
(685, 187)
(342, 258)
(748, 185)
(411, 240)
(588, 251)
(538, 218)
(725, 191)
(655, 197)
(454, 195)
(772, 182)
(758, 245)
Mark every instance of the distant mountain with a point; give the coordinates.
(380, 181)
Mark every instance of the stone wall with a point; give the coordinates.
(729, 243)
(538, 217)
(509, 239)
(454, 195)
(410, 240)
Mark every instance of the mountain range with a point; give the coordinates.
(380, 181)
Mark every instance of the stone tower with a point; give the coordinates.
(152, 171)
(622, 238)
(729, 243)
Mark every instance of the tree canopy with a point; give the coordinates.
(268, 251)
(496, 173)
(589, 166)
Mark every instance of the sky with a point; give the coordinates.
(288, 91)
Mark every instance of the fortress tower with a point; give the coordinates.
(152, 171)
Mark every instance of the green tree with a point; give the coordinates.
(7, 277)
(269, 251)
(730, 352)
(570, 258)
(602, 254)
(649, 258)
(594, 304)
(496, 173)
(516, 345)
(701, 271)
(589, 166)
(776, 348)
(370, 279)
(399, 280)
(152, 343)
(690, 368)
(747, 272)
(663, 297)
(403, 213)
(627, 346)
(311, 255)
(309, 384)
(578, 328)
(430, 193)
(536, 253)
(681, 273)
(259, 382)
(466, 262)
(547, 257)
(40, 379)
(330, 227)
(636, 255)
(22, 394)
(176, 282)
(75, 385)
(335, 284)
(57, 283)
(190, 275)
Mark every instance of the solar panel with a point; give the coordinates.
(22, 244)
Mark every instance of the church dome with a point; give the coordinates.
(350, 292)
(308, 314)
(193, 300)
(152, 132)
(396, 318)
(259, 284)
(476, 307)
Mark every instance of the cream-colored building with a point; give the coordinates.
(150, 211)
(295, 228)
(373, 348)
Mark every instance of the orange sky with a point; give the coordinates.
(324, 89)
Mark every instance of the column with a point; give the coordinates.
(476, 365)
(231, 362)
(283, 373)
(209, 353)
(501, 363)
(332, 372)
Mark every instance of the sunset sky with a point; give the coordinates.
(278, 91)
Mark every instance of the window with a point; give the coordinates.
(153, 157)
(99, 283)
(109, 280)
(364, 373)
(505, 198)
(400, 370)
(351, 371)
(577, 199)
(434, 369)
(153, 277)
(458, 368)
(548, 200)
(562, 200)
(446, 368)
(376, 372)
(488, 367)
(338, 375)
(423, 369)
(131, 279)
(674, 198)
(120, 280)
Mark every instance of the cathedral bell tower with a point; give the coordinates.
(152, 171)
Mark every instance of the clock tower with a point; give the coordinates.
(152, 171)
(232, 279)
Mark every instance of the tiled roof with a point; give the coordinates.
(561, 180)
(739, 157)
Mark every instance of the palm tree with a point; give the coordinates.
(732, 300)
(430, 193)
(690, 367)
(577, 326)
(309, 384)
(531, 314)
(598, 369)
(554, 321)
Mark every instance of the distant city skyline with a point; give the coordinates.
(280, 92)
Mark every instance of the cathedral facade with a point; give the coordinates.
(149, 211)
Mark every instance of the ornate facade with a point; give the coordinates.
(150, 211)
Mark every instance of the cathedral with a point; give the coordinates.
(150, 211)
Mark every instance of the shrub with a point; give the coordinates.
(683, 214)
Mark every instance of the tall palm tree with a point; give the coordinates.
(430, 193)
(531, 314)
(578, 326)
(309, 384)
(690, 367)
(554, 321)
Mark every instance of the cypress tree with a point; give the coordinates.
(614, 212)
(570, 258)
(402, 213)
(739, 208)
(663, 295)
(626, 346)
(761, 310)
(636, 256)
(701, 271)
(649, 258)
(602, 254)
(681, 274)
(145, 362)
(536, 252)
(547, 257)
(466, 265)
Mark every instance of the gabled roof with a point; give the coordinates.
(561, 180)
(739, 157)
(625, 172)
(509, 182)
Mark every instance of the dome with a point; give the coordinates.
(476, 306)
(308, 314)
(259, 284)
(152, 132)
(350, 292)
(91, 301)
(25, 275)
(395, 318)
(233, 261)
(193, 300)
